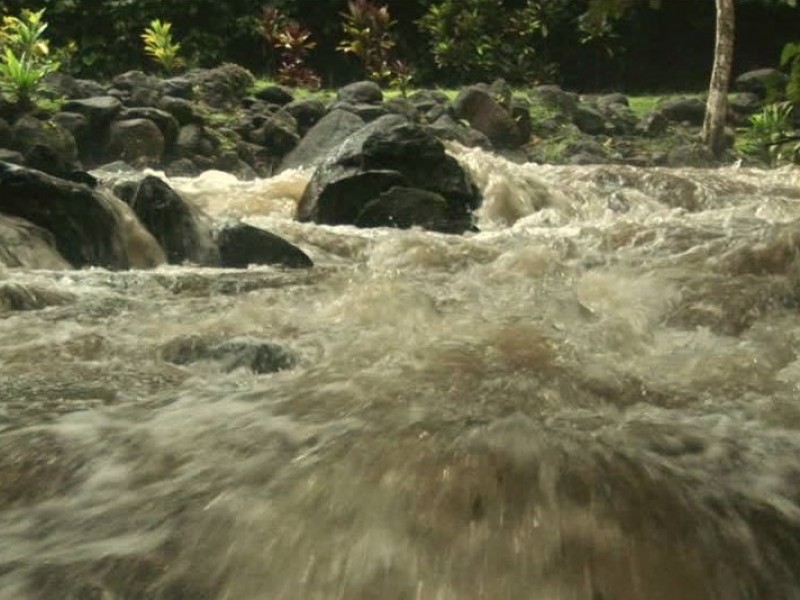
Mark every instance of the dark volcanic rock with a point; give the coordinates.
(386, 153)
(177, 87)
(136, 141)
(241, 245)
(181, 109)
(368, 112)
(689, 110)
(403, 207)
(166, 123)
(556, 98)
(224, 86)
(476, 105)
(180, 227)
(23, 244)
(342, 200)
(367, 92)
(99, 110)
(275, 94)
(88, 227)
(78, 126)
(278, 134)
(589, 120)
(447, 128)
(321, 139)
(257, 355)
(306, 112)
(763, 82)
(6, 137)
(11, 156)
(30, 133)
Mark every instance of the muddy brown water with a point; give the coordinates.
(595, 398)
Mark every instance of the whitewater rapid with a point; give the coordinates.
(595, 397)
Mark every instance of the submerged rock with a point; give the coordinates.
(257, 355)
(15, 296)
(23, 244)
(241, 245)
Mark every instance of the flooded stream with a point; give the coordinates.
(594, 398)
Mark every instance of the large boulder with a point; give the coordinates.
(182, 230)
(477, 105)
(764, 82)
(181, 109)
(326, 135)
(193, 140)
(166, 122)
(275, 94)
(589, 119)
(30, 135)
(403, 208)
(307, 113)
(367, 92)
(555, 98)
(136, 141)
(222, 87)
(177, 87)
(23, 244)
(99, 111)
(447, 128)
(683, 110)
(90, 227)
(389, 152)
(278, 133)
(241, 245)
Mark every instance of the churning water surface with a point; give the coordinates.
(594, 398)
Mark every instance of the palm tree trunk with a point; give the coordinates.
(717, 106)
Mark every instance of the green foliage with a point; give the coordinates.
(790, 57)
(293, 44)
(767, 131)
(367, 30)
(484, 39)
(25, 60)
(159, 46)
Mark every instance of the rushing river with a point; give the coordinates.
(597, 397)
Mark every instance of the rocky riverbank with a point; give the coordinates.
(378, 160)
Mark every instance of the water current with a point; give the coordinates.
(596, 397)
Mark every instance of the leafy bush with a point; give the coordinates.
(478, 40)
(293, 44)
(25, 59)
(159, 46)
(790, 57)
(367, 29)
(769, 130)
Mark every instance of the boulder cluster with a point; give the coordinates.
(377, 162)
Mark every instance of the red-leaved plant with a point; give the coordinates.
(293, 44)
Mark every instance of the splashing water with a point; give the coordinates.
(595, 398)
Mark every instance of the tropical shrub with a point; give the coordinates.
(790, 57)
(159, 46)
(479, 40)
(769, 131)
(24, 56)
(293, 43)
(367, 36)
